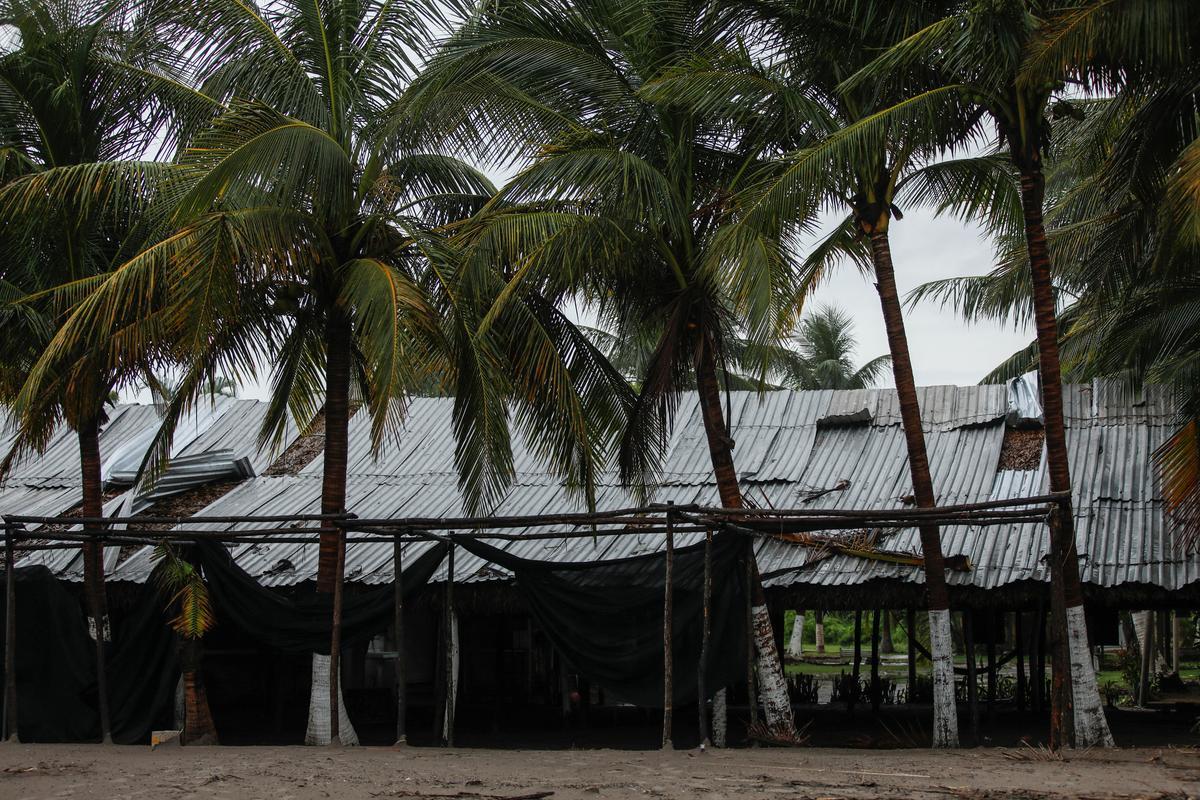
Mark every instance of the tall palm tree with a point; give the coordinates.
(300, 231)
(622, 205)
(1013, 59)
(826, 346)
(86, 89)
(845, 148)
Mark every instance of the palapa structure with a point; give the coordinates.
(821, 455)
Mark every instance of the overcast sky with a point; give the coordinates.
(944, 349)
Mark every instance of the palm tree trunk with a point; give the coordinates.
(945, 712)
(332, 552)
(777, 705)
(796, 642)
(1077, 714)
(198, 727)
(93, 563)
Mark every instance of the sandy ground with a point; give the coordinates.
(287, 773)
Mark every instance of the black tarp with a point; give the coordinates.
(56, 664)
(606, 618)
(56, 677)
(301, 623)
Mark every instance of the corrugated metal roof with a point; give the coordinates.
(789, 445)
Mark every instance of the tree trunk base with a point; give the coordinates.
(945, 708)
(318, 732)
(795, 649)
(720, 719)
(772, 687)
(1091, 727)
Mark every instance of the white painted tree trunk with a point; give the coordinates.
(1141, 621)
(452, 689)
(318, 708)
(820, 636)
(796, 642)
(945, 709)
(772, 688)
(1091, 728)
(720, 719)
(105, 626)
(180, 704)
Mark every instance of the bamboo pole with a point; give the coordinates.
(991, 666)
(705, 633)
(1040, 683)
(401, 667)
(10, 639)
(751, 693)
(910, 628)
(668, 621)
(1019, 646)
(335, 643)
(448, 617)
(875, 662)
(101, 657)
(968, 617)
(857, 668)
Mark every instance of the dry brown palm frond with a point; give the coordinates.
(1177, 463)
(780, 737)
(1029, 752)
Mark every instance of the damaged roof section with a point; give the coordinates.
(816, 450)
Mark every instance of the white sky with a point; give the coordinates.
(944, 348)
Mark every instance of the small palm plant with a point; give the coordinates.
(181, 581)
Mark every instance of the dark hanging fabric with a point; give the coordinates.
(143, 668)
(56, 682)
(606, 618)
(301, 624)
(56, 669)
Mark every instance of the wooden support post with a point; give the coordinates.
(1039, 684)
(448, 619)
(98, 624)
(668, 622)
(1147, 653)
(1019, 646)
(991, 666)
(751, 693)
(335, 641)
(972, 680)
(401, 667)
(705, 633)
(875, 699)
(1176, 641)
(910, 627)
(856, 670)
(10, 638)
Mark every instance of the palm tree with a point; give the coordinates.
(300, 231)
(826, 344)
(85, 87)
(623, 206)
(845, 147)
(1013, 59)
(181, 583)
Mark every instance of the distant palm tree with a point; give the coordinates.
(826, 347)
(818, 356)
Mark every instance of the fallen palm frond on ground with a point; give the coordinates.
(778, 737)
